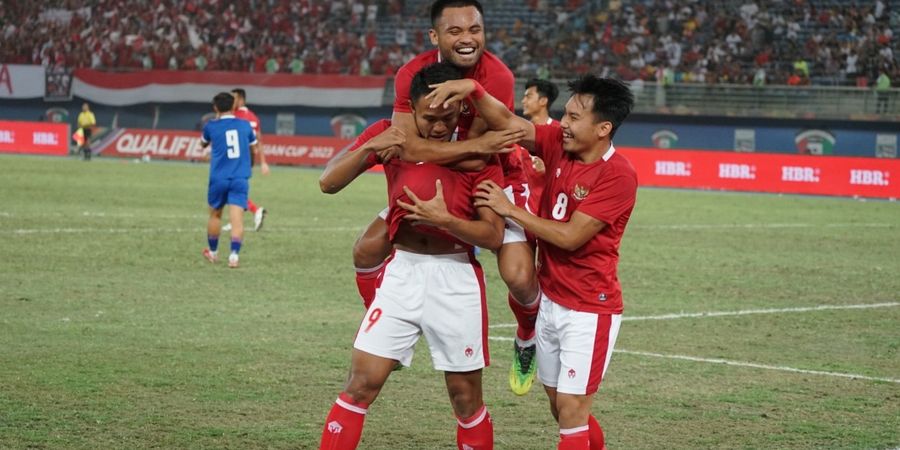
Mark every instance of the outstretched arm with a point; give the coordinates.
(568, 236)
(493, 111)
(349, 163)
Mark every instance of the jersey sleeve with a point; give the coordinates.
(547, 141)
(402, 81)
(251, 136)
(370, 132)
(610, 198)
(502, 88)
(204, 138)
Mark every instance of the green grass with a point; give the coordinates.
(115, 333)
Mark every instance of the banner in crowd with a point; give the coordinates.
(765, 172)
(280, 89)
(185, 145)
(38, 138)
(21, 81)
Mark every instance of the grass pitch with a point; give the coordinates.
(752, 321)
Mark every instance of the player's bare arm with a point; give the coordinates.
(261, 156)
(492, 111)
(347, 165)
(566, 235)
(467, 154)
(486, 232)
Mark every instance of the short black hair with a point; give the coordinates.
(613, 100)
(432, 74)
(223, 102)
(240, 93)
(544, 88)
(438, 7)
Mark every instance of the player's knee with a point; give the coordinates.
(362, 388)
(465, 402)
(519, 278)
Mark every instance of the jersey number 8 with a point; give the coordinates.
(234, 146)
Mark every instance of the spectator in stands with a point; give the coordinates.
(882, 87)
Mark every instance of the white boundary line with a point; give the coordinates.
(739, 364)
(198, 229)
(742, 312)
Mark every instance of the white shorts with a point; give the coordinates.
(514, 232)
(384, 213)
(440, 296)
(573, 347)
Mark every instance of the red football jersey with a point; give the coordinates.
(496, 79)
(535, 179)
(585, 279)
(458, 186)
(244, 113)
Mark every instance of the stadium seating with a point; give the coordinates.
(823, 42)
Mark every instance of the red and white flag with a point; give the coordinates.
(165, 86)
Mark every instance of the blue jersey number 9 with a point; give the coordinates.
(234, 146)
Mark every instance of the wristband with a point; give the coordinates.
(479, 91)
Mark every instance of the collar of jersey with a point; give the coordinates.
(609, 153)
(227, 116)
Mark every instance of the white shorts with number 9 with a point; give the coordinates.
(440, 296)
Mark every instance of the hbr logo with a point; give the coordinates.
(7, 137)
(737, 171)
(45, 138)
(869, 177)
(673, 168)
(799, 174)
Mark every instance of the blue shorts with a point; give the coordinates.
(231, 191)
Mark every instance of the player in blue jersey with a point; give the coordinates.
(232, 141)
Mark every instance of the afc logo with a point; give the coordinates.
(334, 427)
(469, 352)
(571, 373)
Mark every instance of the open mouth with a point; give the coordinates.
(465, 51)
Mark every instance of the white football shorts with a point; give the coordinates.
(440, 296)
(573, 347)
(514, 232)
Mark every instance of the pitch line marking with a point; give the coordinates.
(742, 312)
(728, 362)
(27, 231)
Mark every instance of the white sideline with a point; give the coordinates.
(739, 364)
(742, 312)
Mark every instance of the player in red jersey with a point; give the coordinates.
(588, 200)
(242, 112)
(432, 284)
(536, 103)
(458, 32)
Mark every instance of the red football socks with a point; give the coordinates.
(367, 281)
(574, 439)
(525, 316)
(476, 432)
(251, 206)
(344, 424)
(596, 433)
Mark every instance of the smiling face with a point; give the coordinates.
(436, 124)
(582, 130)
(459, 36)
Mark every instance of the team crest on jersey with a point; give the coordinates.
(580, 192)
(469, 352)
(571, 373)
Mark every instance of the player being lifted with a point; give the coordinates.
(588, 200)
(458, 32)
(232, 141)
(432, 285)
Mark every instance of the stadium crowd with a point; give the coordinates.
(721, 41)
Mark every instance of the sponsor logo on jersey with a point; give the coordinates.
(865, 177)
(737, 171)
(815, 142)
(665, 139)
(602, 297)
(673, 168)
(580, 192)
(799, 174)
